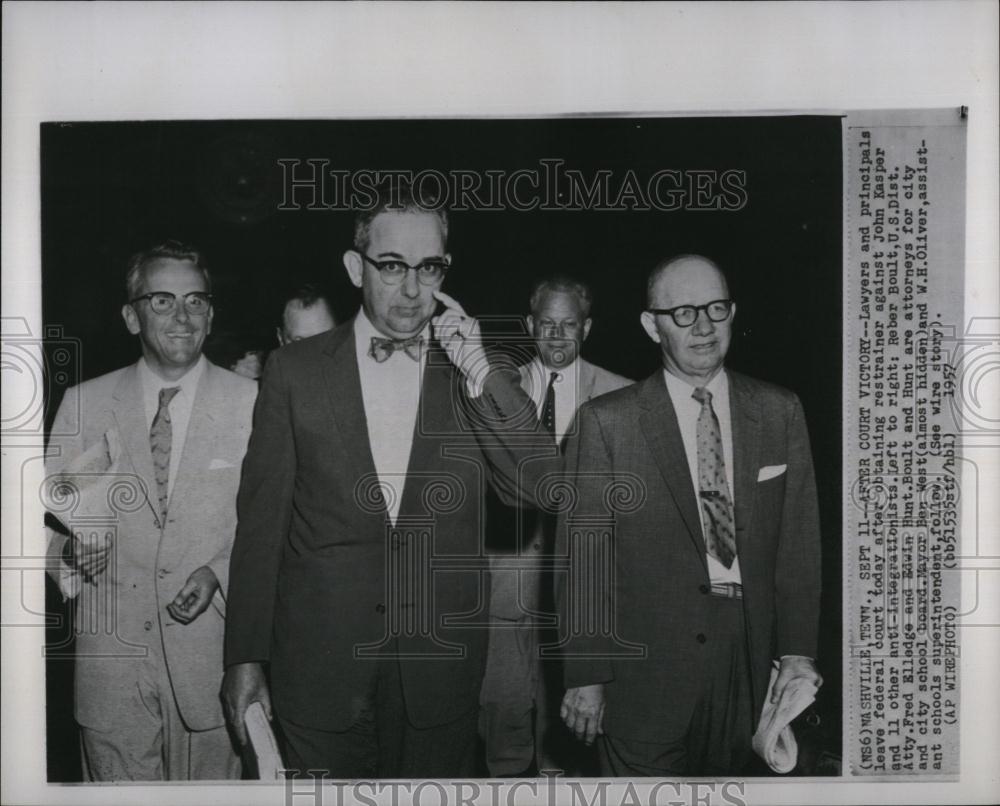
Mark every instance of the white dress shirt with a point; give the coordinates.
(688, 409)
(566, 386)
(390, 392)
(70, 579)
(180, 407)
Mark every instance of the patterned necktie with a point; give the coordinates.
(716, 503)
(548, 419)
(160, 436)
(381, 349)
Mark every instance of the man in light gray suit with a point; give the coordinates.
(516, 721)
(152, 453)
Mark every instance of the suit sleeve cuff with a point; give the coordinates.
(69, 582)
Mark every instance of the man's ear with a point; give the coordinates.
(131, 320)
(355, 267)
(529, 320)
(648, 322)
(279, 336)
(586, 328)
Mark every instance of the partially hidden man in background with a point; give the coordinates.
(306, 312)
(519, 718)
(150, 599)
(717, 573)
(358, 686)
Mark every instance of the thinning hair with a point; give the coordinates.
(396, 197)
(666, 264)
(169, 249)
(561, 283)
(307, 295)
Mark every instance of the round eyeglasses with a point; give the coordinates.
(196, 303)
(392, 272)
(717, 310)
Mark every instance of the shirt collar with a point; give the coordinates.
(364, 331)
(188, 382)
(681, 390)
(568, 372)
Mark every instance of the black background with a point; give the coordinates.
(110, 189)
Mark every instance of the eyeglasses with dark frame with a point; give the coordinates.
(558, 330)
(196, 303)
(718, 310)
(393, 271)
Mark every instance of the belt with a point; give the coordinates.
(727, 590)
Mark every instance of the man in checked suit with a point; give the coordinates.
(520, 730)
(714, 570)
(153, 451)
(360, 468)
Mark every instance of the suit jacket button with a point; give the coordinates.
(148, 626)
(380, 608)
(701, 638)
(704, 589)
(162, 573)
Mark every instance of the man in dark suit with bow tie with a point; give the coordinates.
(710, 572)
(370, 454)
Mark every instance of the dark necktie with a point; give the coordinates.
(548, 419)
(160, 437)
(381, 348)
(716, 503)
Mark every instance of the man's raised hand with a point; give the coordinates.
(459, 334)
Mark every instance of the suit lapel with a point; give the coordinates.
(585, 382)
(745, 415)
(198, 442)
(659, 423)
(129, 412)
(435, 415)
(342, 379)
(526, 381)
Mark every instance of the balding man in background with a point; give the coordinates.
(307, 312)
(717, 575)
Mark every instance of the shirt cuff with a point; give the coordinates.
(474, 386)
(69, 582)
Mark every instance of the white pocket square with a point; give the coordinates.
(219, 464)
(770, 471)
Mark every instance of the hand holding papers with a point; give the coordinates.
(774, 740)
(263, 743)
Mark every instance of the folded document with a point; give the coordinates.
(263, 743)
(774, 741)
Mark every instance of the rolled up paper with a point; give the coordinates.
(263, 743)
(774, 740)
